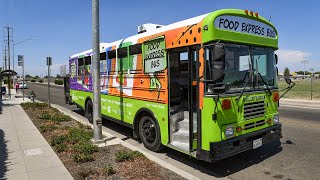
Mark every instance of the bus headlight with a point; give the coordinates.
(276, 119)
(229, 132)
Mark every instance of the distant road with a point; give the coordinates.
(298, 157)
(297, 113)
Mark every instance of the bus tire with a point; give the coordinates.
(149, 132)
(89, 111)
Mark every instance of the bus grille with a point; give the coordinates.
(254, 110)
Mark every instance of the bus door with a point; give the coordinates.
(183, 97)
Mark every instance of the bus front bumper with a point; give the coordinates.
(233, 146)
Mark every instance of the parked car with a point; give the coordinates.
(4, 90)
(22, 85)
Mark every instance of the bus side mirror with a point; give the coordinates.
(218, 65)
(288, 79)
(276, 58)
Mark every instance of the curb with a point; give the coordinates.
(128, 145)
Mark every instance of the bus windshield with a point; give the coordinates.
(254, 65)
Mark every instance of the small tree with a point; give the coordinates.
(28, 76)
(36, 77)
(286, 72)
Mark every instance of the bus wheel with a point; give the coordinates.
(89, 111)
(149, 132)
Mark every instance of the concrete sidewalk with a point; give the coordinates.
(24, 153)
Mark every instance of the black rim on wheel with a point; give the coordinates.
(149, 130)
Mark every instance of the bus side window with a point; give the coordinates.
(80, 66)
(87, 66)
(123, 60)
(134, 50)
(103, 66)
(112, 55)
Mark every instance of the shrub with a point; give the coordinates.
(45, 116)
(81, 158)
(33, 105)
(58, 140)
(109, 169)
(47, 127)
(33, 80)
(124, 155)
(85, 148)
(60, 118)
(58, 81)
(61, 147)
(76, 135)
(40, 80)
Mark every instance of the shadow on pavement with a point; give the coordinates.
(3, 155)
(221, 168)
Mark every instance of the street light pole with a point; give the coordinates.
(97, 121)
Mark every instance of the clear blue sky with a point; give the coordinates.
(60, 28)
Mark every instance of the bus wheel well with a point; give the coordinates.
(85, 104)
(141, 112)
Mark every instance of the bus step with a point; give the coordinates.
(184, 125)
(180, 136)
(182, 146)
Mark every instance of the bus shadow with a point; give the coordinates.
(232, 164)
(221, 168)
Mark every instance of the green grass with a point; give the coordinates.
(302, 89)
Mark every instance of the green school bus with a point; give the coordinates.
(205, 86)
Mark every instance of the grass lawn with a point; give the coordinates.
(302, 89)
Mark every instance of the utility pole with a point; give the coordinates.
(97, 122)
(5, 58)
(8, 41)
(9, 65)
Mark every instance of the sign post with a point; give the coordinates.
(49, 63)
(21, 63)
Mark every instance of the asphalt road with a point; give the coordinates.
(297, 156)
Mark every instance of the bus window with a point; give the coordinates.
(103, 66)
(80, 66)
(111, 54)
(123, 60)
(87, 67)
(135, 49)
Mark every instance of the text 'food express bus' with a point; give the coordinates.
(205, 86)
